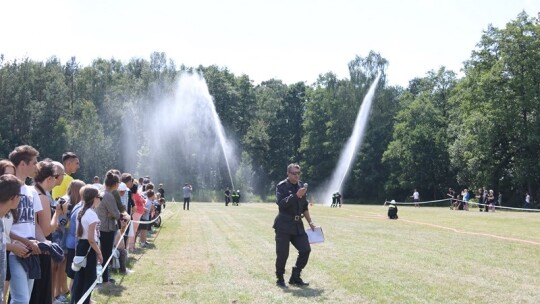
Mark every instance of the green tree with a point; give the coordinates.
(87, 137)
(496, 131)
(418, 153)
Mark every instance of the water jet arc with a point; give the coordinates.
(349, 152)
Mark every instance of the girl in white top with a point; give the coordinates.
(88, 245)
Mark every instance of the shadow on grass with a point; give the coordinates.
(304, 292)
(111, 290)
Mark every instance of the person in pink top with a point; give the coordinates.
(137, 212)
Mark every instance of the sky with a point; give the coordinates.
(290, 40)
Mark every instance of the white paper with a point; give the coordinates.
(316, 236)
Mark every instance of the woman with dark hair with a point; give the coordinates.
(88, 245)
(108, 214)
(137, 212)
(71, 233)
(46, 224)
(73, 197)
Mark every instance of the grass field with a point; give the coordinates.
(218, 254)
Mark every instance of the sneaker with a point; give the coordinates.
(128, 271)
(62, 298)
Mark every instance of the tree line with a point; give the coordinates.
(440, 131)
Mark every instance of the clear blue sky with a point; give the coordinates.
(292, 40)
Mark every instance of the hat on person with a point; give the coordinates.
(392, 202)
(122, 187)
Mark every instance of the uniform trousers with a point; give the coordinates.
(300, 242)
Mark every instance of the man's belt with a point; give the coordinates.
(296, 218)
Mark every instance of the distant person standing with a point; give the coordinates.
(98, 185)
(451, 194)
(490, 206)
(71, 164)
(187, 195)
(227, 196)
(289, 227)
(416, 198)
(24, 228)
(466, 196)
(161, 190)
(479, 198)
(338, 199)
(527, 203)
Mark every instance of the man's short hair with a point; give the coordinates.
(126, 177)
(10, 186)
(67, 156)
(293, 165)
(23, 153)
(59, 168)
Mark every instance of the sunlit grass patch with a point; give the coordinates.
(218, 254)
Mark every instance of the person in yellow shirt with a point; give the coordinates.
(71, 165)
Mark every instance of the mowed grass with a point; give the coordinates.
(218, 254)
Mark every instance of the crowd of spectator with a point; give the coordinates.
(48, 218)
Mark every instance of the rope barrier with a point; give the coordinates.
(416, 203)
(502, 207)
(89, 291)
(467, 202)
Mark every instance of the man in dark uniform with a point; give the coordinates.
(392, 210)
(289, 227)
(227, 196)
(338, 199)
(236, 197)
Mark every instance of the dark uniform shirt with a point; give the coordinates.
(291, 208)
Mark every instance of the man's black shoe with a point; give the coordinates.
(280, 281)
(296, 279)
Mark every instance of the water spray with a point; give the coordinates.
(348, 154)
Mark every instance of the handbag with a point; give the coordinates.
(79, 261)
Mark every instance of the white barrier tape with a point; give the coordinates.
(502, 207)
(417, 203)
(89, 291)
(146, 222)
(468, 202)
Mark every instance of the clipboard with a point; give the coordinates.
(316, 236)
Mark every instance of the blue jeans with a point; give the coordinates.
(21, 285)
